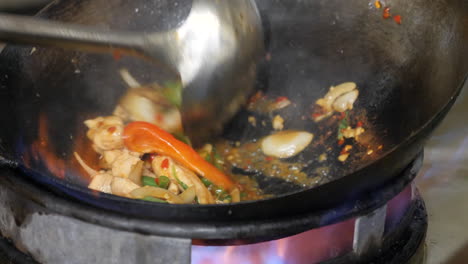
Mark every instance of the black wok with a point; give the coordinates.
(408, 76)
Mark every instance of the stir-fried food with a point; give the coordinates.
(145, 155)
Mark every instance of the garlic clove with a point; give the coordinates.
(286, 144)
(345, 101)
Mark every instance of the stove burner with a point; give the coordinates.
(386, 226)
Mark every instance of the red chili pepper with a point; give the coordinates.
(359, 124)
(281, 99)
(144, 137)
(341, 142)
(386, 13)
(111, 129)
(156, 180)
(268, 158)
(165, 164)
(397, 19)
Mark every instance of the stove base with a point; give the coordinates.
(409, 248)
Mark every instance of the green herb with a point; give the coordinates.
(174, 174)
(164, 182)
(183, 138)
(217, 160)
(222, 195)
(154, 199)
(342, 125)
(207, 182)
(149, 181)
(243, 195)
(173, 93)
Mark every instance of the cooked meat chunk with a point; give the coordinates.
(105, 133)
(123, 187)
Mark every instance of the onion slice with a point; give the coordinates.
(143, 192)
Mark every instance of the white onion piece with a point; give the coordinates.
(286, 144)
(143, 192)
(188, 195)
(345, 101)
(123, 187)
(235, 194)
(128, 78)
(102, 183)
(136, 173)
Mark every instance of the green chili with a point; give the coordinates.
(173, 93)
(153, 199)
(149, 181)
(207, 182)
(164, 182)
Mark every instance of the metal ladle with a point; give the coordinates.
(214, 51)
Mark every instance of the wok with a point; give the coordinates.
(408, 76)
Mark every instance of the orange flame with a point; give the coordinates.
(42, 151)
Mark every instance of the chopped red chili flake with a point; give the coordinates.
(342, 115)
(268, 158)
(111, 129)
(377, 4)
(359, 124)
(397, 19)
(315, 115)
(281, 99)
(152, 156)
(156, 180)
(159, 117)
(165, 164)
(255, 97)
(117, 55)
(386, 13)
(341, 142)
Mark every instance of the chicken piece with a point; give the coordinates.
(123, 187)
(163, 165)
(126, 164)
(102, 182)
(105, 133)
(109, 157)
(148, 105)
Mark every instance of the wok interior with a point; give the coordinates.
(405, 73)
